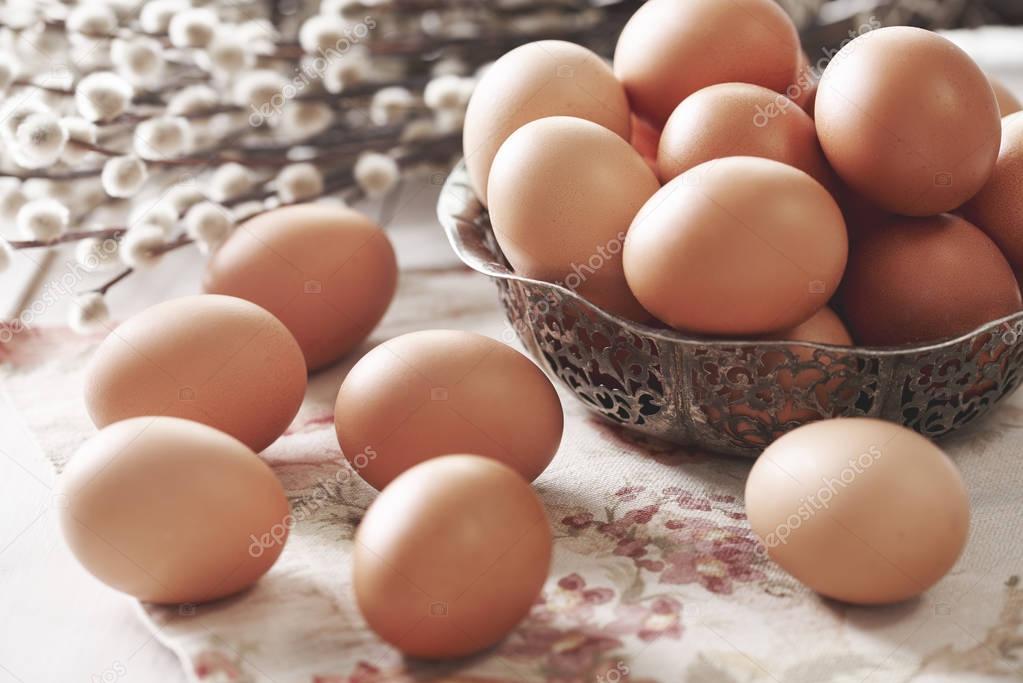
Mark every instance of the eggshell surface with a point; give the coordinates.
(998, 208)
(858, 509)
(563, 192)
(1008, 103)
(437, 392)
(916, 134)
(451, 556)
(736, 246)
(803, 89)
(171, 511)
(924, 279)
(739, 119)
(327, 272)
(218, 360)
(823, 327)
(544, 78)
(644, 139)
(670, 49)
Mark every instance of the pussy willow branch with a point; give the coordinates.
(337, 147)
(338, 180)
(272, 157)
(342, 181)
(67, 237)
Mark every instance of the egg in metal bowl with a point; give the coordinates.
(732, 396)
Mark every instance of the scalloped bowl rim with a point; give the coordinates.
(450, 223)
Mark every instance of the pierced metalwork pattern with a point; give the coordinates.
(729, 396)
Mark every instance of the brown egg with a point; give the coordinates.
(645, 138)
(859, 510)
(1008, 103)
(736, 246)
(562, 194)
(823, 327)
(668, 50)
(998, 208)
(451, 556)
(803, 89)
(740, 119)
(171, 511)
(861, 216)
(916, 135)
(545, 78)
(328, 272)
(436, 392)
(218, 360)
(925, 279)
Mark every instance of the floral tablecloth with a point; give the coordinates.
(656, 575)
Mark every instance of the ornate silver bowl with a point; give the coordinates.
(731, 396)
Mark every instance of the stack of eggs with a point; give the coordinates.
(709, 182)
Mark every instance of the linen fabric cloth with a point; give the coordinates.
(656, 575)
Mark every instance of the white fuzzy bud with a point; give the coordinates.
(139, 59)
(349, 69)
(20, 17)
(6, 255)
(389, 105)
(193, 27)
(449, 66)
(305, 119)
(298, 182)
(88, 313)
(226, 54)
(182, 197)
(260, 91)
(12, 198)
(246, 210)
(230, 181)
(78, 130)
(449, 120)
(161, 214)
(162, 138)
(321, 33)
(376, 174)
(446, 92)
(155, 15)
(43, 219)
(97, 254)
(94, 19)
(339, 7)
(259, 35)
(14, 115)
(123, 176)
(195, 99)
(102, 96)
(209, 225)
(139, 245)
(41, 139)
(418, 129)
